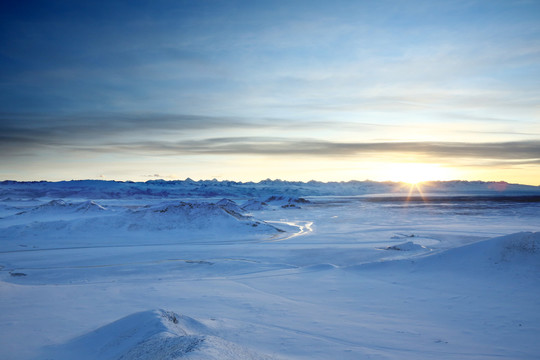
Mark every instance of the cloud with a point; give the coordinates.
(36, 130)
(158, 134)
(27, 131)
(502, 152)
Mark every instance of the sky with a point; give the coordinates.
(248, 90)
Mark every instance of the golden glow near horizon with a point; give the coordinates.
(414, 173)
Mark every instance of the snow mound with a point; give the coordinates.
(51, 207)
(58, 211)
(89, 206)
(230, 206)
(203, 216)
(286, 201)
(58, 207)
(192, 209)
(57, 203)
(150, 335)
(408, 246)
(253, 205)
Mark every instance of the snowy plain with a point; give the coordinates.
(269, 270)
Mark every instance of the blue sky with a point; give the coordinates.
(246, 90)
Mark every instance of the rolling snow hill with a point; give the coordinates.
(178, 218)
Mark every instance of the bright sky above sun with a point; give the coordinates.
(248, 90)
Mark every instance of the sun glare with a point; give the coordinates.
(414, 173)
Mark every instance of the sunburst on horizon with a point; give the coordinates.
(415, 172)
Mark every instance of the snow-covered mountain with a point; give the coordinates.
(98, 189)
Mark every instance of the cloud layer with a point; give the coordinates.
(126, 135)
(518, 152)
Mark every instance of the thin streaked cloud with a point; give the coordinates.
(520, 151)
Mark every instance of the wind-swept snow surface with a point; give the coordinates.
(244, 275)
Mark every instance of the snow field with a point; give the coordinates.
(349, 279)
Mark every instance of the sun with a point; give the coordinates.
(415, 173)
